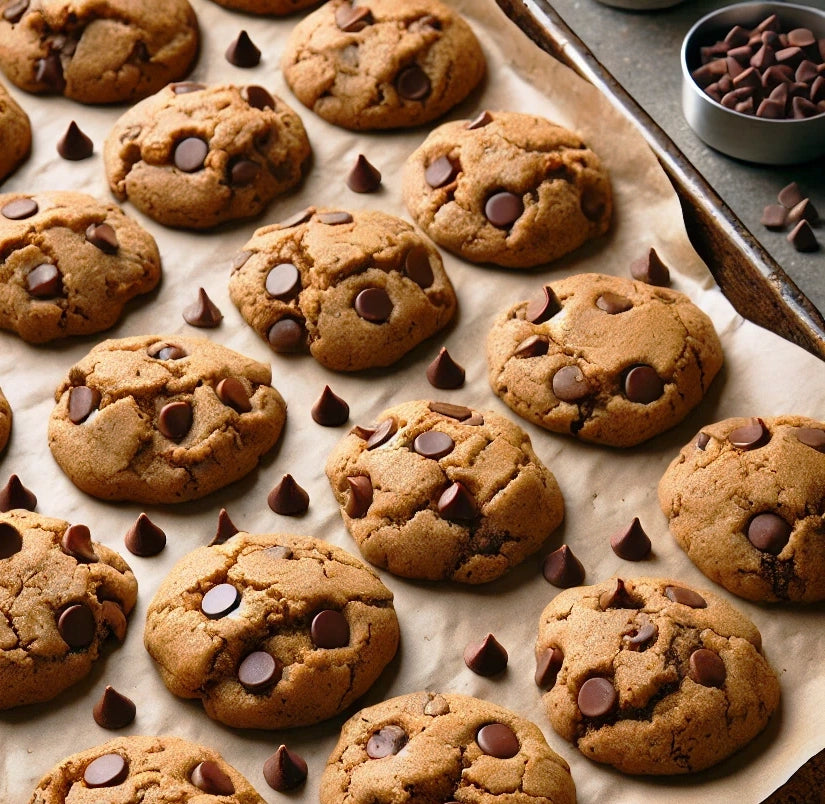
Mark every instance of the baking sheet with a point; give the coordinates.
(764, 375)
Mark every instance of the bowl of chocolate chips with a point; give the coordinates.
(753, 81)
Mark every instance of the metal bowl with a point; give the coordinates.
(754, 139)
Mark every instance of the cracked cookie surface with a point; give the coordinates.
(151, 770)
(15, 134)
(651, 676)
(5, 421)
(61, 596)
(271, 631)
(507, 188)
(442, 492)
(746, 501)
(161, 420)
(97, 51)
(194, 156)
(430, 748)
(383, 63)
(70, 263)
(361, 288)
(603, 358)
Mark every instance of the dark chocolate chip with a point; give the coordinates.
(243, 52)
(49, 71)
(288, 498)
(82, 401)
(220, 600)
(811, 437)
(283, 281)
(737, 36)
(457, 412)
(707, 668)
(364, 433)
(616, 596)
(456, 503)
(287, 335)
(650, 269)
(484, 119)
(15, 10)
(486, 658)
(15, 495)
(804, 211)
(77, 626)
(144, 538)
(413, 83)
(45, 281)
(329, 629)
(542, 307)
(570, 385)
(686, 597)
(259, 671)
(441, 171)
(750, 436)
(74, 145)
(374, 305)
(643, 385)
(11, 541)
(497, 740)
(769, 533)
(232, 392)
(77, 542)
(352, 19)
(114, 617)
(113, 710)
(702, 440)
(562, 569)
(383, 433)
(103, 236)
(109, 770)
(335, 218)
(203, 312)
(646, 635)
(243, 172)
(257, 97)
(190, 154)
(631, 543)
(360, 496)
(774, 216)
(166, 351)
(212, 779)
(433, 444)
(285, 770)
(417, 266)
(185, 87)
(801, 37)
(19, 209)
(503, 209)
(385, 742)
(175, 419)
(364, 176)
(790, 195)
(534, 346)
(302, 216)
(547, 667)
(329, 409)
(444, 372)
(226, 528)
(802, 237)
(613, 303)
(597, 697)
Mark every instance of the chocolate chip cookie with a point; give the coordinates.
(163, 420)
(151, 770)
(70, 264)
(5, 421)
(361, 288)
(15, 134)
(603, 358)
(651, 676)
(438, 491)
(745, 500)
(193, 156)
(277, 8)
(379, 64)
(61, 596)
(430, 748)
(507, 188)
(271, 631)
(96, 51)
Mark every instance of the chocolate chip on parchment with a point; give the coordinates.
(487, 657)
(74, 145)
(226, 529)
(329, 410)
(288, 498)
(650, 269)
(15, 495)
(444, 372)
(562, 569)
(364, 176)
(113, 710)
(285, 770)
(631, 543)
(774, 217)
(243, 52)
(144, 538)
(802, 237)
(203, 312)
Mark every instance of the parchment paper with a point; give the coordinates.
(603, 488)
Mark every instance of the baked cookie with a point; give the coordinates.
(97, 51)
(61, 596)
(5, 421)
(71, 263)
(193, 156)
(15, 134)
(442, 492)
(429, 748)
(507, 188)
(603, 358)
(271, 631)
(745, 500)
(379, 64)
(652, 677)
(278, 8)
(362, 288)
(151, 770)
(161, 420)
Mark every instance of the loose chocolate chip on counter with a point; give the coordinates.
(190, 154)
(329, 409)
(185, 87)
(259, 671)
(646, 635)
(569, 384)
(77, 542)
(774, 217)
(707, 668)
(82, 402)
(220, 600)
(258, 98)
(542, 307)
(336, 218)
(364, 176)
(497, 740)
(77, 626)
(283, 281)
(14, 11)
(49, 71)
(175, 419)
(352, 19)
(457, 412)
(212, 779)
(613, 303)
(597, 697)
(106, 771)
(15, 495)
(790, 195)
(534, 346)
(360, 496)
(631, 543)
(802, 237)
(503, 209)
(650, 269)
(413, 83)
(804, 211)
(769, 533)
(285, 770)
(750, 436)
(686, 597)
(144, 538)
(202, 313)
(374, 305)
(562, 569)
(441, 172)
(45, 281)
(232, 392)
(113, 710)
(74, 145)
(243, 172)
(286, 336)
(19, 209)
(11, 542)
(811, 437)
(547, 667)
(457, 504)
(383, 433)
(385, 742)
(329, 629)
(166, 351)
(243, 52)
(288, 498)
(226, 529)
(444, 372)
(417, 266)
(486, 658)
(103, 236)
(483, 119)
(433, 444)
(643, 385)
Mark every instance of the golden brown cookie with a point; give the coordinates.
(429, 748)
(5, 421)
(193, 156)
(439, 491)
(15, 134)
(61, 596)
(745, 500)
(507, 188)
(651, 676)
(271, 631)
(603, 358)
(380, 64)
(362, 288)
(162, 420)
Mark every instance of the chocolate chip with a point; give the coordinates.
(686, 597)
(302, 216)
(613, 303)
(166, 351)
(74, 145)
(232, 392)
(804, 211)
(243, 172)
(386, 741)
(643, 385)
(288, 498)
(212, 779)
(190, 154)
(329, 409)
(548, 665)
(486, 658)
(77, 542)
(802, 237)
(77, 626)
(220, 600)
(769, 533)
(364, 433)
(801, 37)
(15, 10)
(283, 281)
(202, 313)
(774, 217)
(707, 668)
(360, 496)
(417, 266)
(329, 629)
(19, 209)
(226, 529)
(109, 770)
(175, 419)
(647, 633)
(811, 437)
(444, 372)
(364, 176)
(113, 710)
(543, 307)
(484, 119)
(285, 770)
(750, 436)
(374, 305)
(456, 503)
(476, 420)
(259, 671)
(258, 98)
(352, 19)
(185, 87)
(562, 569)
(286, 336)
(457, 412)
(243, 52)
(441, 171)
(49, 72)
(790, 195)
(335, 218)
(570, 385)
(113, 617)
(497, 740)
(413, 83)
(617, 596)
(534, 346)
(144, 538)
(631, 543)
(650, 269)
(82, 401)
(11, 541)
(103, 237)
(433, 444)
(15, 495)
(383, 433)
(503, 209)
(44, 281)
(597, 697)
(702, 440)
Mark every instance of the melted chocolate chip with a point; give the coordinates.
(457, 412)
(77, 626)
(259, 671)
(77, 543)
(417, 266)
(364, 176)
(190, 154)
(15, 10)
(360, 497)
(597, 697)
(175, 419)
(643, 385)
(444, 372)
(562, 569)
(503, 209)
(769, 533)
(456, 503)
(288, 498)
(534, 346)
(543, 307)
(374, 305)
(286, 336)
(811, 437)
(285, 770)
(486, 658)
(49, 72)
(243, 172)
(687, 597)
(570, 385)
(329, 629)
(441, 172)
(232, 392)
(707, 668)
(203, 312)
(383, 433)
(433, 444)
(497, 740)
(212, 779)
(113, 710)
(74, 145)
(631, 543)
(144, 538)
(45, 281)
(548, 665)
(335, 218)
(613, 303)
(15, 495)
(103, 236)
(413, 83)
(644, 636)
(109, 770)
(220, 600)
(11, 542)
(750, 436)
(329, 409)
(386, 741)
(243, 52)
(19, 209)
(82, 402)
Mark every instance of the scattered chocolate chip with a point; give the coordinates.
(226, 529)
(77, 626)
(804, 211)
(811, 437)
(74, 145)
(374, 305)
(790, 195)
(352, 19)
(457, 412)
(77, 542)
(597, 697)
(336, 218)
(486, 658)
(616, 596)
(202, 313)
(185, 87)
(82, 401)
(534, 346)
(329, 409)
(687, 597)
(19, 209)
(360, 496)
(774, 216)
(484, 119)
(285, 770)
(220, 600)
(329, 629)
(383, 433)
(385, 742)
(802, 237)
(643, 385)
(212, 779)
(444, 372)
(801, 37)
(503, 209)
(302, 216)
(650, 269)
(287, 335)
(243, 52)
(631, 543)
(613, 303)
(15, 495)
(232, 392)
(144, 538)
(562, 569)
(103, 236)
(543, 307)
(175, 419)
(288, 498)
(570, 385)
(433, 444)
(106, 771)
(166, 351)
(190, 154)
(646, 634)
(11, 541)
(441, 172)
(497, 740)
(750, 436)
(547, 667)
(417, 266)
(259, 671)
(243, 172)
(456, 503)
(413, 83)
(45, 281)
(364, 176)
(707, 668)
(769, 533)
(15, 10)
(113, 710)
(49, 71)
